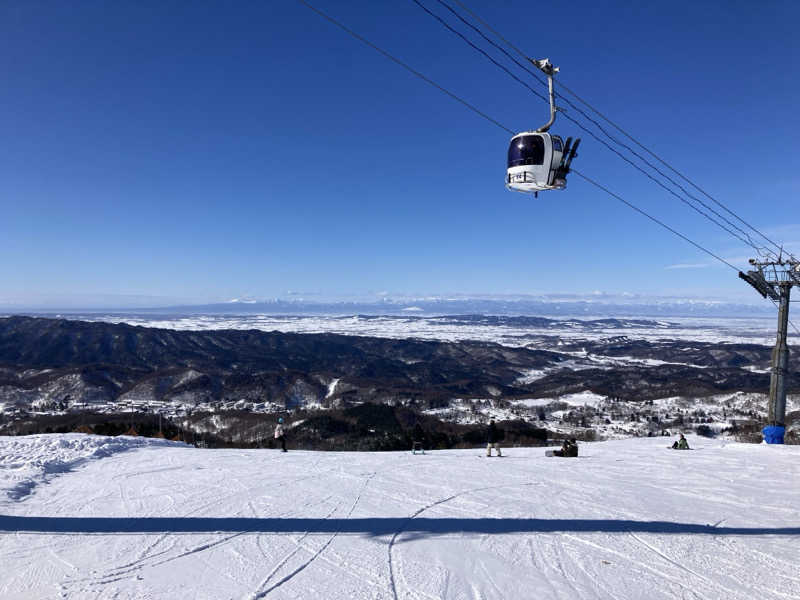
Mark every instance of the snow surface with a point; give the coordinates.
(629, 519)
(578, 399)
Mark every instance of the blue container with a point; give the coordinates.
(773, 434)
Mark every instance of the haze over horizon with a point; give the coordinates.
(595, 305)
(102, 301)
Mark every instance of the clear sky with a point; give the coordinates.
(201, 151)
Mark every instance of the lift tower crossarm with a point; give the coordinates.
(761, 285)
(775, 279)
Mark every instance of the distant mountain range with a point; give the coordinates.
(78, 363)
(561, 306)
(207, 380)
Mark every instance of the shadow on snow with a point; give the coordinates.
(367, 526)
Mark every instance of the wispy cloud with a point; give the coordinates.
(738, 260)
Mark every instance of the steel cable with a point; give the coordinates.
(507, 130)
(404, 65)
(613, 124)
(745, 240)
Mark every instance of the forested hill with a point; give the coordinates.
(69, 362)
(114, 358)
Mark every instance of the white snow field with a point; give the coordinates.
(572, 329)
(96, 517)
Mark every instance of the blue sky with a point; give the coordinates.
(157, 152)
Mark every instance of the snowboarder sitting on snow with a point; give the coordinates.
(572, 450)
(681, 444)
(569, 449)
(279, 434)
(492, 439)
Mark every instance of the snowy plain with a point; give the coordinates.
(96, 517)
(509, 332)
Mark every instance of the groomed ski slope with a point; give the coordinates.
(94, 517)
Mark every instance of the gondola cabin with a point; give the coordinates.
(536, 162)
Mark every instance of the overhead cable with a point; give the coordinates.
(507, 130)
(742, 236)
(405, 65)
(665, 226)
(608, 120)
(498, 124)
(652, 218)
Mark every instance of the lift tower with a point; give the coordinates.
(774, 280)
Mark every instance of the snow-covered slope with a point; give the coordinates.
(28, 461)
(629, 519)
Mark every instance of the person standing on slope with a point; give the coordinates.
(492, 439)
(279, 433)
(417, 442)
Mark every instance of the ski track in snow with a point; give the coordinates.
(400, 531)
(146, 556)
(263, 593)
(682, 567)
(419, 556)
(262, 588)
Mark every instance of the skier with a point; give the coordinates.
(279, 433)
(681, 444)
(492, 438)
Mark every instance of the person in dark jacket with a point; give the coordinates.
(280, 434)
(569, 449)
(492, 439)
(572, 449)
(417, 442)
